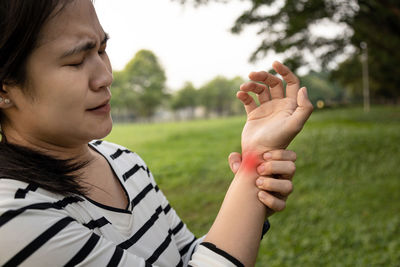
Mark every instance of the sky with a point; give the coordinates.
(192, 44)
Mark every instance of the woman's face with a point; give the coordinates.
(69, 75)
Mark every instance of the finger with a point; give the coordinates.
(260, 89)
(235, 160)
(280, 154)
(254, 87)
(275, 84)
(302, 112)
(293, 83)
(284, 168)
(272, 202)
(247, 100)
(282, 187)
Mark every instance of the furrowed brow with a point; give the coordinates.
(80, 48)
(84, 47)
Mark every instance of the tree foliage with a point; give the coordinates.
(122, 97)
(320, 88)
(218, 96)
(287, 27)
(186, 97)
(140, 86)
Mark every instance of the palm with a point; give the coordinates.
(270, 126)
(278, 118)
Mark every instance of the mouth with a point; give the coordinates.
(103, 106)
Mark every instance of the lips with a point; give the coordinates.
(100, 106)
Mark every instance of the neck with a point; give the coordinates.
(79, 151)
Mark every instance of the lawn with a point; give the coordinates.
(345, 209)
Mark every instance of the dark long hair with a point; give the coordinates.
(21, 22)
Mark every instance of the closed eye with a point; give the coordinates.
(78, 64)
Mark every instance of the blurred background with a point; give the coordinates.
(177, 67)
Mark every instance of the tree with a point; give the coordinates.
(185, 98)
(288, 28)
(144, 79)
(122, 98)
(219, 95)
(320, 88)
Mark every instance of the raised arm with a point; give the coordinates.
(272, 125)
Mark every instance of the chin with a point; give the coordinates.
(102, 130)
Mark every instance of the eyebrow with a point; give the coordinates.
(84, 47)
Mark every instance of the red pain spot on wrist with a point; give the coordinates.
(250, 161)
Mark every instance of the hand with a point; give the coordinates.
(278, 118)
(275, 183)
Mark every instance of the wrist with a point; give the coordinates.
(255, 149)
(250, 161)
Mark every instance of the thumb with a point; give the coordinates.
(235, 160)
(304, 108)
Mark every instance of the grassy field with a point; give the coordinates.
(345, 210)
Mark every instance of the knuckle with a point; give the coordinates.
(252, 85)
(248, 99)
(273, 81)
(268, 167)
(267, 184)
(280, 154)
(259, 89)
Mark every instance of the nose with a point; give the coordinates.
(101, 73)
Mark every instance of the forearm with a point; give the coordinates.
(238, 227)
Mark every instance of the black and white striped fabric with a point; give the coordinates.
(39, 228)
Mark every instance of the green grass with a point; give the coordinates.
(345, 210)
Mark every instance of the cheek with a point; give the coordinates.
(60, 107)
(64, 91)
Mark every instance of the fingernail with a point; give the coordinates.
(259, 182)
(305, 92)
(267, 155)
(235, 166)
(262, 195)
(261, 169)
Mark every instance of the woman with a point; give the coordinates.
(68, 200)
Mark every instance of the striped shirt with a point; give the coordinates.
(40, 228)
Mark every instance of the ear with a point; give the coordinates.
(5, 100)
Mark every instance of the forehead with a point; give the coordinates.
(77, 20)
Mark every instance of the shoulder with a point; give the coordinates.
(120, 156)
(23, 204)
(108, 147)
(114, 151)
(16, 195)
(15, 190)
